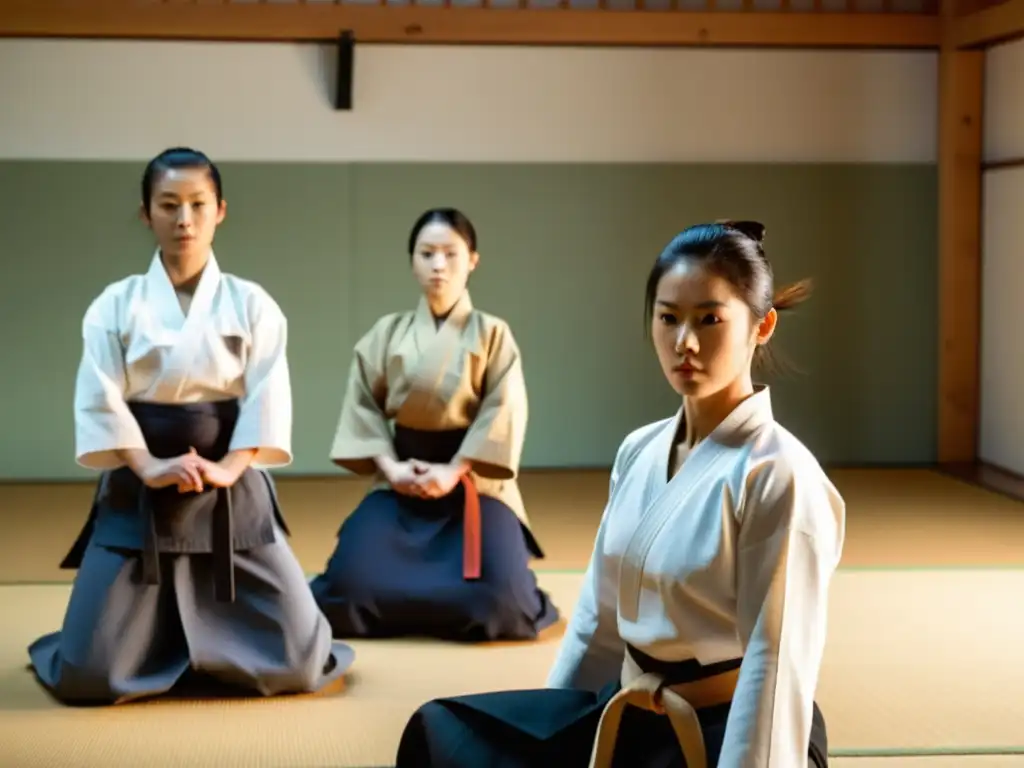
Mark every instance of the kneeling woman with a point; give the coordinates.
(441, 546)
(183, 565)
(699, 632)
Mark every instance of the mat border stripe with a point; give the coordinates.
(927, 752)
(894, 753)
(1009, 567)
(907, 752)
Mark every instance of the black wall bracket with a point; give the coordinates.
(346, 64)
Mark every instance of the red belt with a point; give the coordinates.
(471, 534)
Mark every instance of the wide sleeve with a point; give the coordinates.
(265, 411)
(789, 544)
(592, 651)
(363, 433)
(494, 441)
(103, 423)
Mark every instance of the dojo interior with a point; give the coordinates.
(882, 143)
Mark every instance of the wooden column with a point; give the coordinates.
(961, 88)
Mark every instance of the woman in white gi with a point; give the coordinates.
(435, 408)
(183, 388)
(700, 629)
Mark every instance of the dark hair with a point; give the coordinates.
(453, 217)
(174, 158)
(733, 250)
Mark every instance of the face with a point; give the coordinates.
(184, 213)
(704, 334)
(442, 262)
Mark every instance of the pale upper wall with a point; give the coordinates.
(270, 102)
(1004, 102)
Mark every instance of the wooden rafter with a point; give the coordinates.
(481, 25)
(995, 23)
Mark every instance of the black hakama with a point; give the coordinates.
(397, 568)
(195, 587)
(556, 728)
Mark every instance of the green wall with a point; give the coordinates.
(565, 252)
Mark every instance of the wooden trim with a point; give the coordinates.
(965, 7)
(412, 24)
(961, 88)
(997, 23)
(1003, 165)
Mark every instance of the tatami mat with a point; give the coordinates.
(925, 659)
(917, 660)
(895, 518)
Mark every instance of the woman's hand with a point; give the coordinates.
(225, 473)
(402, 476)
(439, 480)
(184, 471)
(218, 475)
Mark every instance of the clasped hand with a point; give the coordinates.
(189, 472)
(422, 479)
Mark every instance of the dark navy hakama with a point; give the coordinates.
(399, 564)
(556, 728)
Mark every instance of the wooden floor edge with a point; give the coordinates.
(988, 477)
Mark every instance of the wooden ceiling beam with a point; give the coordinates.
(484, 26)
(994, 24)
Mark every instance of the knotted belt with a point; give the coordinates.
(472, 537)
(222, 544)
(439, 448)
(679, 702)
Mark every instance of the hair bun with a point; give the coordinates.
(752, 229)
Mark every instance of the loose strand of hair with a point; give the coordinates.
(768, 360)
(792, 295)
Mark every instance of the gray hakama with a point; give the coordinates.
(174, 588)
